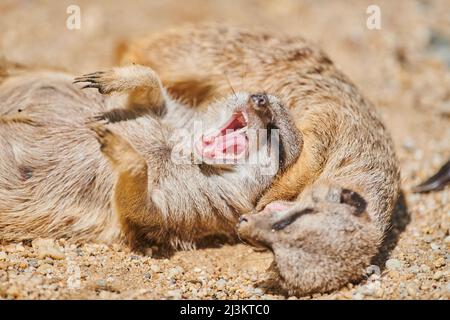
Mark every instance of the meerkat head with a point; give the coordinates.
(318, 242)
(302, 224)
(253, 128)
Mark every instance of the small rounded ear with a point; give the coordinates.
(355, 200)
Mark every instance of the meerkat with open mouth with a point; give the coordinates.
(163, 184)
(338, 197)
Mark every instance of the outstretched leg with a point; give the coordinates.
(131, 200)
(142, 84)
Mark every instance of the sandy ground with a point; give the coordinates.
(404, 68)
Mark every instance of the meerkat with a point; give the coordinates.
(313, 238)
(328, 240)
(55, 180)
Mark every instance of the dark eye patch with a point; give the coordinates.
(280, 225)
(355, 200)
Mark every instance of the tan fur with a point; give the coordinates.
(345, 144)
(55, 182)
(329, 244)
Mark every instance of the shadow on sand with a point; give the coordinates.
(400, 219)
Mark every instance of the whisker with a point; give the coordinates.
(229, 83)
(240, 239)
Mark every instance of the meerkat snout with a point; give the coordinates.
(259, 101)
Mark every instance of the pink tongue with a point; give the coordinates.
(228, 146)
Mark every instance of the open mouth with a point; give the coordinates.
(229, 142)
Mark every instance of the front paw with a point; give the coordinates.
(111, 145)
(104, 81)
(122, 79)
(118, 150)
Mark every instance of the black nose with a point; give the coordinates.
(242, 219)
(260, 100)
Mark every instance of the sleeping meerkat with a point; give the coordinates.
(55, 181)
(313, 239)
(346, 148)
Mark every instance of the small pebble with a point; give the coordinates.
(175, 271)
(424, 268)
(414, 269)
(175, 294)
(394, 264)
(447, 240)
(101, 284)
(47, 248)
(411, 291)
(33, 263)
(3, 255)
(44, 269)
(155, 268)
(434, 246)
(439, 262)
(220, 284)
(438, 275)
(258, 291)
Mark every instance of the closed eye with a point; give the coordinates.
(280, 225)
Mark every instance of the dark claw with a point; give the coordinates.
(86, 80)
(91, 85)
(100, 131)
(93, 74)
(90, 77)
(77, 80)
(100, 119)
(436, 182)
